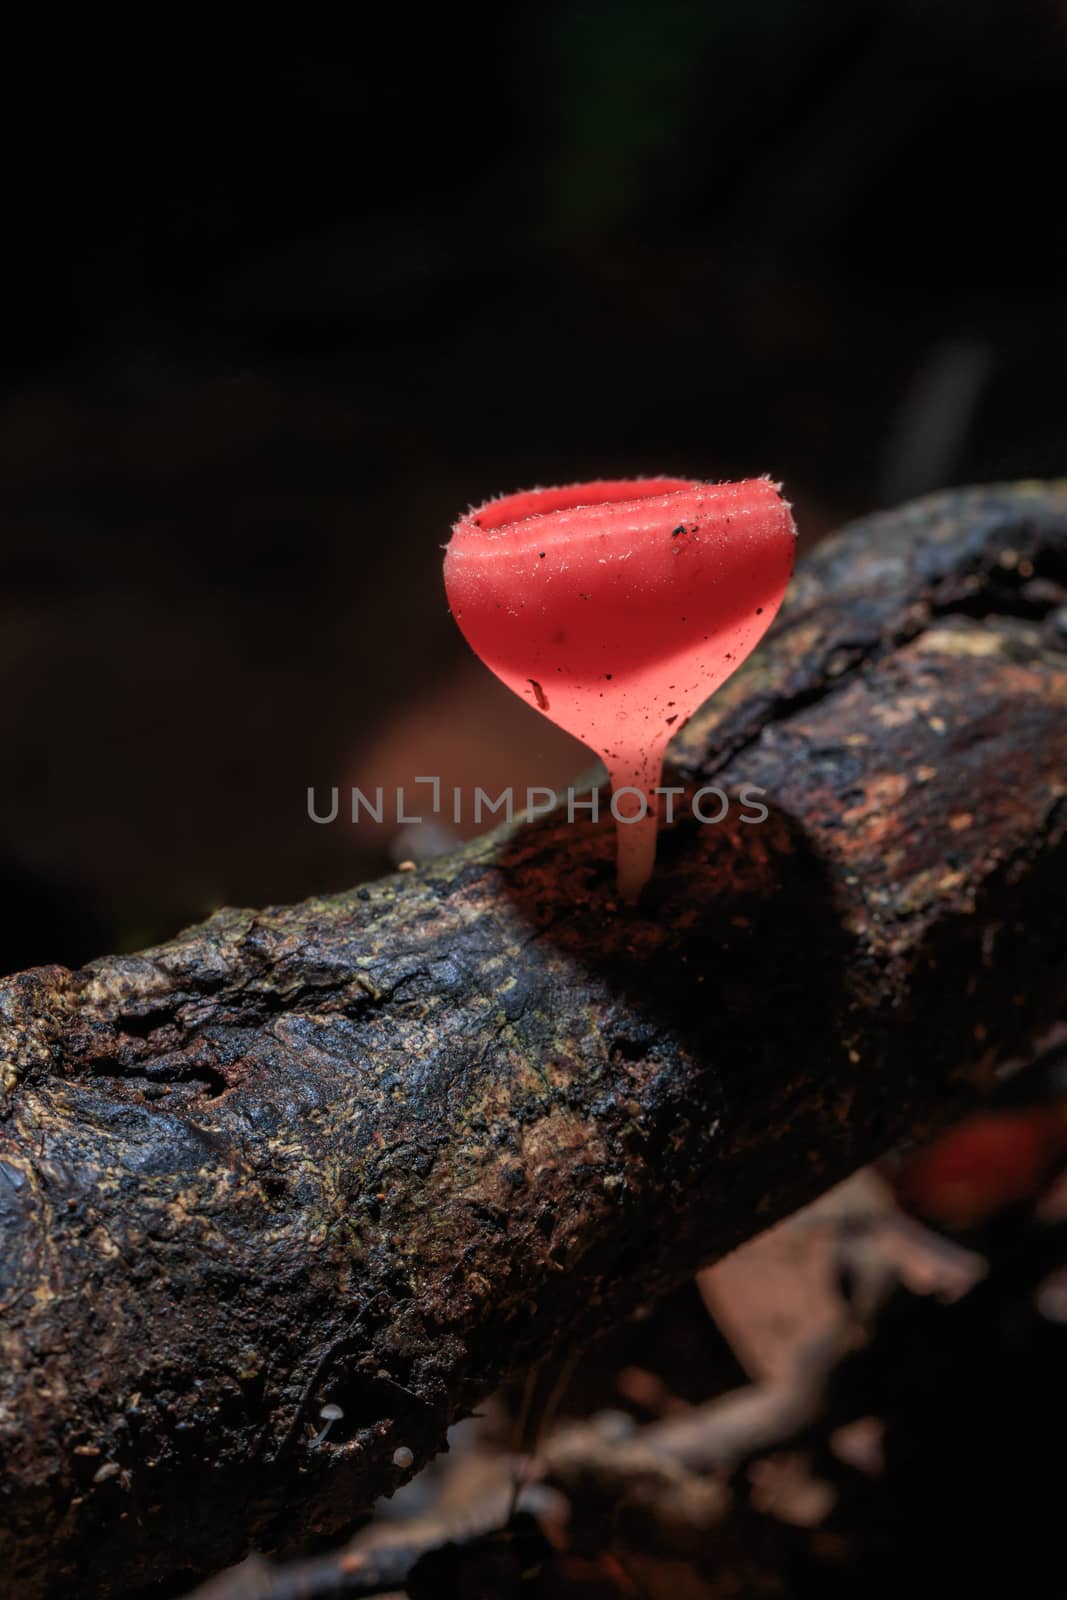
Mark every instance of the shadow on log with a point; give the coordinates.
(382, 1150)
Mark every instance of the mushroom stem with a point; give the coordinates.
(635, 807)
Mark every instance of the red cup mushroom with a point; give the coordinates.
(616, 608)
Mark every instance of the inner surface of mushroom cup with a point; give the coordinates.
(511, 509)
(616, 608)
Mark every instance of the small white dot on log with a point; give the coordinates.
(403, 1458)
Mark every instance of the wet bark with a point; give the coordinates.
(386, 1148)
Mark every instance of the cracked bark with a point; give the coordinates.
(384, 1149)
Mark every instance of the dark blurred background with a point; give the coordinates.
(279, 305)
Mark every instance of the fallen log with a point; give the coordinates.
(381, 1150)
